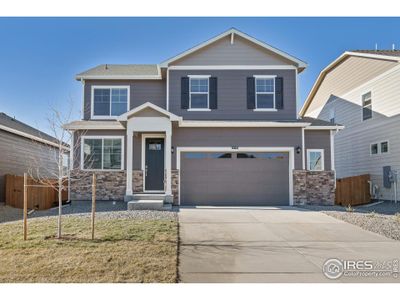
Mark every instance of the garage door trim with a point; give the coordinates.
(290, 150)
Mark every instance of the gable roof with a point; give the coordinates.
(386, 55)
(152, 106)
(300, 64)
(121, 72)
(14, 126)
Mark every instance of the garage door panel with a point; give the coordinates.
(260, 179)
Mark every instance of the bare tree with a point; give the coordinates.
(52, 167)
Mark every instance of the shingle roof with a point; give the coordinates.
(379, 52)
(121, 70)
(14, 124)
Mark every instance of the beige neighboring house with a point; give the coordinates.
(361, 91)
(23, 147)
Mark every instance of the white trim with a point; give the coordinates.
(265, 109)
(322, 159)
(265, 93)
(32, 137)
(105, 117)
(297, 91)
(94, 125)
(234, 67)
(199, 76)
(303, 148)
(83, 99)
(290, 150)
(198, 109)
(167, 90)
(300, 63)
(232, 38)
(218, 124)
(332, 136)
(338, 127)
(143, 158)
(338, 60)
(124, 117)
(71, 152)
(199, 93)
(103, 137)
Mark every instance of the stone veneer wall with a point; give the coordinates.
(175, 185)
(137, 178)
(313, 187)
(110, 185)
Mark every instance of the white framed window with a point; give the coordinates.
(265, 92)
(366, 100)
(379, 148)
(102, 153)
(199, 92)
(109, 101)
(315, 159)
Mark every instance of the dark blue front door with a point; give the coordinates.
(154, 172)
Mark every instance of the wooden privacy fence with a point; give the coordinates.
(353, 190)
(40, 196)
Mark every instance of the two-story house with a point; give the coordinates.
(360, 90)
(214, 125)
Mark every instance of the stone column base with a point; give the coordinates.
(313, 187)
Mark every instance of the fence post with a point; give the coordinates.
(25, 206)
(93, 202)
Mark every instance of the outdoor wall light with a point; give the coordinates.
(172, 149)
(298, 149)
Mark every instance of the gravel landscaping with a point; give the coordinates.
(104, 210)
(382, 218)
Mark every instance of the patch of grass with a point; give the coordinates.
(397, 217)
(349, 208)
(372, 214)
(125, 250)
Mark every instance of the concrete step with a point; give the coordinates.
(146, 205)
(148, 196)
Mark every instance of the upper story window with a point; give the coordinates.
(102, 153)
(265, 92)
(199, 92)
(367, 106)
(109, 101)
(315, 159)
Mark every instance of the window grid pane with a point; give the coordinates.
(102, 154)
(110, 101)
(315, 161)
(199, 93)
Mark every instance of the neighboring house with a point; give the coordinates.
(214, 125)
(25, 149)
(361, 91)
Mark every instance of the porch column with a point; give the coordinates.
(168, 189)
(129, 161)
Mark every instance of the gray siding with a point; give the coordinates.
(232, 95)
(319, 139)
(241, 52)
(19, 154)
(141, 91)
(242, 137)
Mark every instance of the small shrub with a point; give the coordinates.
(372, 214)
(349, 208)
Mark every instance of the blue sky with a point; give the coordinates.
(39, 57)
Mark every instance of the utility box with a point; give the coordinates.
(387, 177)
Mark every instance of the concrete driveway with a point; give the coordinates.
(273, 245)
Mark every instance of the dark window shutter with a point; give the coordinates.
(185, 92)
(251, 93)
(213, 93)
(279, 92)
